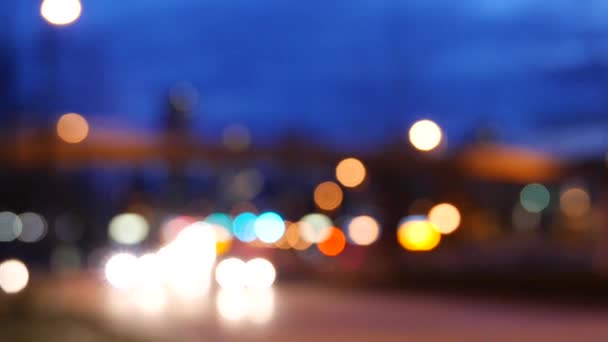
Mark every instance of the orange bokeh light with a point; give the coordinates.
(328, 196)
(334, 244)
(72, 128)
(350, 172)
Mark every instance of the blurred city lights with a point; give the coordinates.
(174, 225)
(416, 234)
(269, 227)
(256, 306)
(150, 299)
(259, 273)
(222, 223)
(223, 239)
(121, 270)
(244, 226)
(294, 238)
(10, 226)
(72, 128)
(334, 244)
(60, 12)
(232, 304)
(236, 138)
(188, 260)
(350, 172)
(14, 276)
(33, 227)
(534, 197)
(220, 219)
(575, 202)
(445, 217)
(425, 135)
(363, 230)
(315, 228)
(328, 196)
(149, 270)
(128, 229)
(230, 273)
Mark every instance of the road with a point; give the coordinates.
(76, 309)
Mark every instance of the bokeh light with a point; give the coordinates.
(315, 228)
(222, 223)
(34, 227)
(14, 276)
(425, 135)
(534, 197)
(72, 128)
(294, 238)
(236, 138)
(121, 270)
(269, 227)
(259, 273)
(234, 305)
(174, 225)
(445, 217)
(575, 202)
(10, 226)
(328, 196)
(363, 230)
(188, 260)
(350, 172)
(149, 271)
(416, 234)
(230, 273)
(60, 12)
(128, 229)
(334, 244)
(244, 226)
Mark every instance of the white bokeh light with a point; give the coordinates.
(128, 229)
(61, 12)
(121, 270)
(34, 227)
(230, 273)
(14, 276)
(259, 273)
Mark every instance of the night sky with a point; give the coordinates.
(348, 74)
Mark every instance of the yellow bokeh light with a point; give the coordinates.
(445, 217)
(223, 239)
(61, 12)
(575, 202)
(418, 235)
(425, 135)
(350, 172)
(363, 230)
(14, 276)
(72, 128)
(328, 196)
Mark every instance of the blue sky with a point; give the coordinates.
(349, 74)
